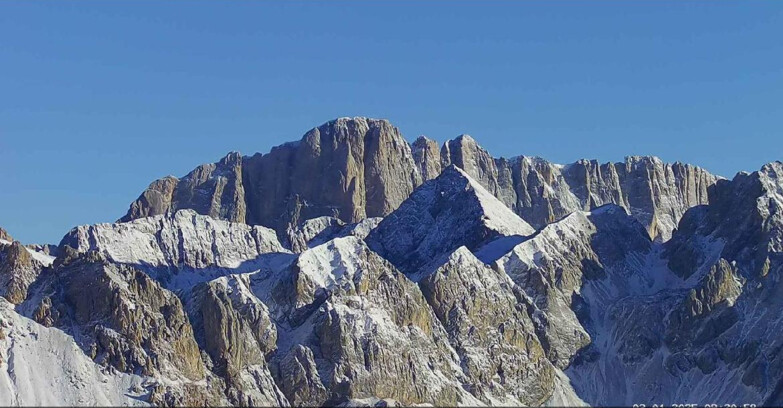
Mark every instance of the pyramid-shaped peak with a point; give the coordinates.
(443, 214)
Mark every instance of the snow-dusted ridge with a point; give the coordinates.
(44, 259)
(450, 299)
(45, 367)
(443, 214)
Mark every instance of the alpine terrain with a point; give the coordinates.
(353, 268)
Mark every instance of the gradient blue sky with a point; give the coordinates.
(97, 99)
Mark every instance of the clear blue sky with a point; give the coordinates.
(97, 99)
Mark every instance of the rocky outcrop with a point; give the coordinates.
(718, 289)
(450, 211)
(44, 366)
(655, 193)
(132, 323)
(165, 245)
(488, 324)
(358, 328)
(355, 168)
(5, 236)
(708, 333)
(211, 189)
(744, 213)
(349, 169)
(238, 334)
(18, 270)
(426, 154)
(565, 263)
(316, 231)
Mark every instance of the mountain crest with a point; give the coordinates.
(445, 213)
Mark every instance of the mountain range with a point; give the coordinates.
(352, 268)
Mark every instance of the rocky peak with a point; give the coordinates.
(744, 212)
(211, 189)
(482, 310)
(355, 168)
(465, 153)
(18, 270)
(445, 213)
(349, 168)
(426, 154)
(5, 236)
(183, 240)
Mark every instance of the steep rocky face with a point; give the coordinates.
(237, 332)
(45, 367)
(349, 169)
(132, 322)
(355, 168)
(710, 333)
(426, 154)
(128, 322)
(718, 289)
(18, 270)
(466, 154)
(486, 317)
(572, 267)
(655, 193)
(211, 189)
(355, 327)
(744, 223)
(450, 211)
(5, 236)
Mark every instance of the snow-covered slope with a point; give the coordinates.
(42, 366)
(181, 239)
(443, 214)
(183, 248)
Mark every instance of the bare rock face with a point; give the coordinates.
(5, 236)
(487, 319)
(355, 168)
(132, 322)
(211, 189)
(713, 296)
(349, 169)
(746, 212)
(450, 211)
(358, 328)
(707, 332)
(236, 331)
(655, 193)
(426, 154)
(465, 153)
(562, 266)
(18, 270)
(129, 321)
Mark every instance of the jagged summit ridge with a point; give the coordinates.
(450, 298)
(356, 168)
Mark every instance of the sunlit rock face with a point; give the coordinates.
(354, 269)
(357, 168)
